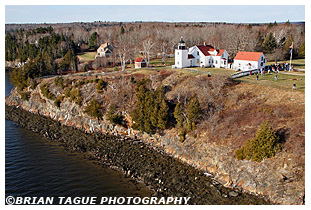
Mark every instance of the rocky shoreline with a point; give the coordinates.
(165, 175)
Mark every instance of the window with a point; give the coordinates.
(201, 61)
(177, 53)
(197, 52)
(261, 58)
(216, 62)
(264, 60)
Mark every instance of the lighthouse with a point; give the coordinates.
(181, 55)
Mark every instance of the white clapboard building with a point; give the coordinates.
(245, 61)
(200, 55)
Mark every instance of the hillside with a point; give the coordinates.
(228, 115)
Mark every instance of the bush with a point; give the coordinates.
(114, 118)
(25, 96)
(67, 92)
(34, 85)
(58, 81)
(58, 101)
(94, 109)
(182, 136)
(74, 94)
(264, 145)
(79, 101)
(46, 92)
(100, 85)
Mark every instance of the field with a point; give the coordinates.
(88, 56)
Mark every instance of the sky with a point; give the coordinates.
(167, 13)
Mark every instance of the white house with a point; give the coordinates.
(200, 55)
(104, 50)
(249, 60)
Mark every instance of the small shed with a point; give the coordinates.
(140, 63)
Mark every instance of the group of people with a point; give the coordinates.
(279, 67)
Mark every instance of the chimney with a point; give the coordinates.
(204, 43)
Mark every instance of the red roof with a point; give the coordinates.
(248, 56)
(220, 52)
(139, 60)
(205, 48)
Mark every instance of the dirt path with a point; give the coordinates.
(296, 74)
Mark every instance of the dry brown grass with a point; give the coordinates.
(246, 106)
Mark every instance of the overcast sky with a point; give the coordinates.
(169, 13)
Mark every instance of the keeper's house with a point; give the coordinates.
(200, 55)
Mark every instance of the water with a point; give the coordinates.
(35, 166)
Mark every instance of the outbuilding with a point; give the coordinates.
(245, 61)
(140, 63)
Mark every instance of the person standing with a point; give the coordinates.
(294, 87)
(276, 77)
(257, 76)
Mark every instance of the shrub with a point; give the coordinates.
(74, 94)
(94, 109)
(58, 101)
(182, 135)
(67, 92)
(34, 84)
(58, 81)
(114, 118)
(25, 96)
(46, 92)
(79, 101)
(100, 85)
(264, 145)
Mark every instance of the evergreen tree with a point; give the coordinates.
(94, 109)
(301, 50)
(93, 40)
(151, 110)
(264, 145)
(286, 46)
(122, 30)
(269, 44)
(179, 114)
(163, 115)
(193, 109)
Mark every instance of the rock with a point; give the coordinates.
(233, 194)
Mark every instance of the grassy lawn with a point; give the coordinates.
(283, 82)
(298, 63)
(88, 56)
(158, 62)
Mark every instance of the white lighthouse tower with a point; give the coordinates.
(181, 55)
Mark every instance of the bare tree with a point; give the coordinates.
(147, 44)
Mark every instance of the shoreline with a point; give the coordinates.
(164, 175)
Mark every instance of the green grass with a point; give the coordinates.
(88, 56)
(158, 62)
(298, 63)
(283, 82)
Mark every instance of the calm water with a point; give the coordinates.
(35, 166)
